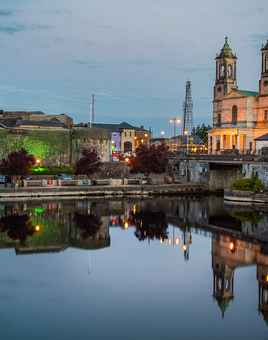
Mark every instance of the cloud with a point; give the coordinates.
(12, 29)
(89, 64)
(259, 37)
(6, 13)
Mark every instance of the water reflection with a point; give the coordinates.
(238, 236)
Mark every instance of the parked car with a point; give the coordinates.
(65, 177)
(3, 179)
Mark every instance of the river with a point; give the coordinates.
(165, 268)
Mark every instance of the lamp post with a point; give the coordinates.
(174, 121)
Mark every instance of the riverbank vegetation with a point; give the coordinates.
(253, 184)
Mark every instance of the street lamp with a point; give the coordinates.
(162, 133)
(174, 121)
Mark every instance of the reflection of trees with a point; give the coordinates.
(150, 225)
(17, 227)
(89, 224)
(247, 216)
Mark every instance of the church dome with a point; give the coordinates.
(226, 51)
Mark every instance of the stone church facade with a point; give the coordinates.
(239, 116)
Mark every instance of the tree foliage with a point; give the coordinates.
(17, 163)
(201, 131)
(89, 224)
(150, 225)
(253, 184)
(17, 227)
(89, 163)
(150, 159)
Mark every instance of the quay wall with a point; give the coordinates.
(102, 191)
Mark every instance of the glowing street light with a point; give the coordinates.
(174, 121)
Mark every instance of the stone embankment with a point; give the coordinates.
(102, 191)
(245, 197)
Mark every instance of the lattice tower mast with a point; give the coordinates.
(188, 110)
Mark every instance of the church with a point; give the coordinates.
(240, 117)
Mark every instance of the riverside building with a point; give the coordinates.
(239, 116)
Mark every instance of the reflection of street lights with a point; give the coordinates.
(174, 121)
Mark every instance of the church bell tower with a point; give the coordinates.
(264, 71)
(225, 72)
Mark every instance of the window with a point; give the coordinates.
(219, 119)
(234, 114)
(266, 115)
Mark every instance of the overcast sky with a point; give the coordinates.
(134, 55)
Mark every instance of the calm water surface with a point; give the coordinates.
(132, 270)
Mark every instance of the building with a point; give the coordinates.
(91, 138)
(239, 116)
(53, 139)
(130, 136)
(261, 143)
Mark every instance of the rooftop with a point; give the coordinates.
(226, 51)
(247, 93)
(262, 138)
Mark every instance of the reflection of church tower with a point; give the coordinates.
(223, 265)
(262, 276)
(223, 284)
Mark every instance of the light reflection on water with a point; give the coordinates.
(132, 269)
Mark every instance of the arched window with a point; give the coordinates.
(127, 147)
(234, 114)
(218, 119)
(230, 71)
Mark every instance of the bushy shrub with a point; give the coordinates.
(253, 184)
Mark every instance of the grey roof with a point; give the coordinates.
(8, 122)
(262, 138)
(92, 133)
(113, 127)
(43, 123)
(6, 113)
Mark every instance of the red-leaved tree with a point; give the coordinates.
(17, 163)
(89, 163)
(150, 159)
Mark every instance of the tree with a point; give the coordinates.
(17, 227)
(150, 159)
(89, 163)
(150, 225)
(201, 131)
(17, 163)
(89, 224)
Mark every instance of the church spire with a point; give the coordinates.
(226, 51)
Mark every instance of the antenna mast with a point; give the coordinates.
(92, 110)
(188, 110)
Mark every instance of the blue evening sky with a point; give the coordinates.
(134, 55)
